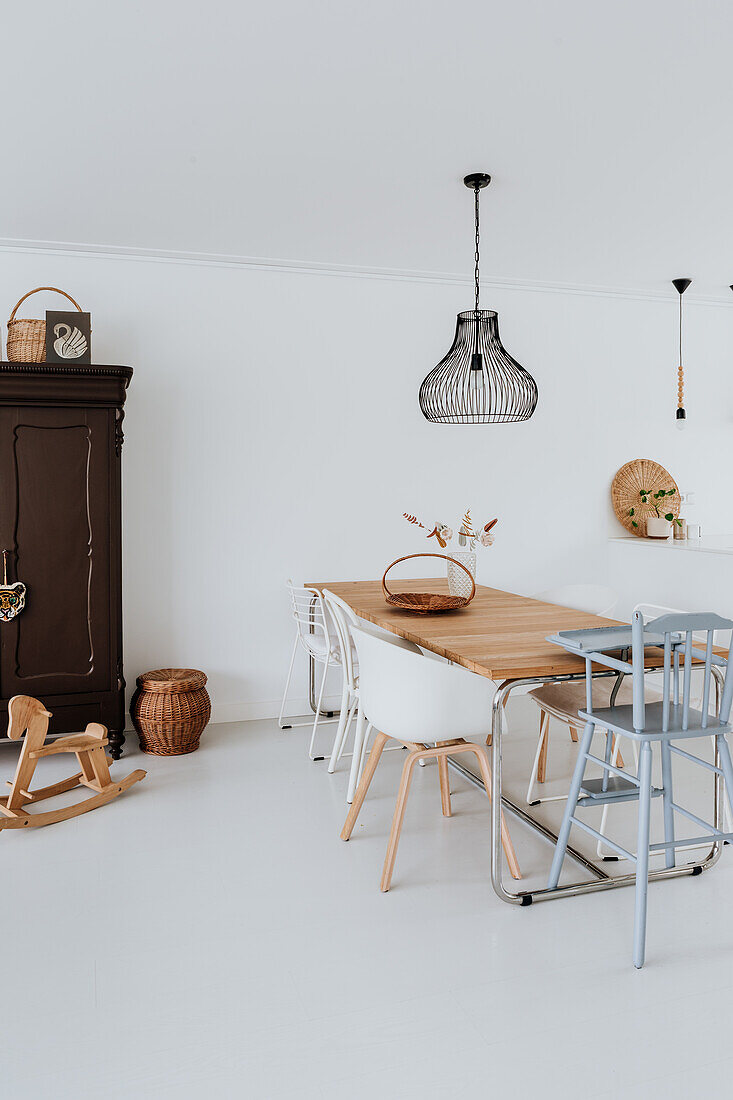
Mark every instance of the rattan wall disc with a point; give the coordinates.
(642, 473)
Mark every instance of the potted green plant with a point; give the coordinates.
(658, 521)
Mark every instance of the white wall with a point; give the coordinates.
(273, 429)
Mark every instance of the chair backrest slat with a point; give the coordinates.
(637, 666)
(706, 685)
(727, 699)
(666, 679)
(686, 680)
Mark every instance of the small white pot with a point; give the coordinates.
(657, 528)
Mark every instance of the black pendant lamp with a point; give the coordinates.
(478, 382)
(681, 286)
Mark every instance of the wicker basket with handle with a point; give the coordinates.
(170, 710)
(423, 603)
(27, 335)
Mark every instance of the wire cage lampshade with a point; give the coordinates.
(478, 381)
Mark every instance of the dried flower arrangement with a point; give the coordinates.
(467, 534)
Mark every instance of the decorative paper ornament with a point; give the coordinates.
(12, 596)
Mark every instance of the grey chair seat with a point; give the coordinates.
(620, 719)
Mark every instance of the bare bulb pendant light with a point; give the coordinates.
(478, 382)
(681, 286)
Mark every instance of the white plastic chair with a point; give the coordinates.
(313, 634)
(344, 619)
(562, 701)
(430, 707)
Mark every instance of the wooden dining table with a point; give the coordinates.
(504, 637)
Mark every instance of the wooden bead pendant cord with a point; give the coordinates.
(681, 286)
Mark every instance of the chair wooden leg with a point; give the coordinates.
(444, 785)
(616, 751)
(361, 790)
(506, 840)
(573, 733)
(545, 734)
(399, 816)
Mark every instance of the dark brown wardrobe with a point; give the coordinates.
(60, 521)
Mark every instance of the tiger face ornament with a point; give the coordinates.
(12, 601)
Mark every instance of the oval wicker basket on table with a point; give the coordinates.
(641, 473)
(170, 710)
(27, 335)
(423, 603)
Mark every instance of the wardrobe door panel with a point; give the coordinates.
(55, 522)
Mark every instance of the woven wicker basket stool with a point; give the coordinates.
(170, 710)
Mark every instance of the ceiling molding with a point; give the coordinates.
(343, 271)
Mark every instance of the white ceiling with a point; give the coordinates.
(338, 132)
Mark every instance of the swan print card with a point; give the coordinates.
(68, 337)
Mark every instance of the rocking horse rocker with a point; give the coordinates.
(29, 716)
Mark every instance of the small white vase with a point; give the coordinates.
(657, 528)
(458, 582)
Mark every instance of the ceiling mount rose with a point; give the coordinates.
(477, 180)
(478, 382)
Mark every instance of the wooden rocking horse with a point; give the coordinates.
(29, 716)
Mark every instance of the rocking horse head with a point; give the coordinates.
(24, 712)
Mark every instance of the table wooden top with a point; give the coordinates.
(499, 635)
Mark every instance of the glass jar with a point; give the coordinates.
(458, 582)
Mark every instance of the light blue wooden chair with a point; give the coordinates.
(670, 719)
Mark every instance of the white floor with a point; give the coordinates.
(208, 934)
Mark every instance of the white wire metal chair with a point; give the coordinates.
(312, 633)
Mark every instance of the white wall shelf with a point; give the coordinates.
(713, 544)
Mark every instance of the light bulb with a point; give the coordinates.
(681, 425)
(681, 419)
(476, 383)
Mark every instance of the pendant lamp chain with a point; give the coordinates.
(476, 253)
